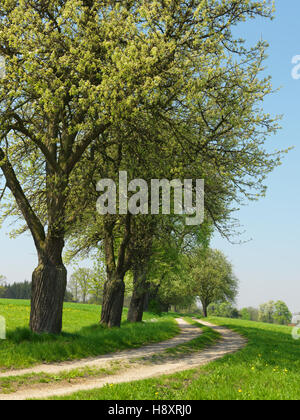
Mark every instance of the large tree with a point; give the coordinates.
(85, 67)
(80, 67)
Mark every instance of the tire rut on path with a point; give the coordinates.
(231, 342)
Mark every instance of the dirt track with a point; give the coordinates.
(230, 343)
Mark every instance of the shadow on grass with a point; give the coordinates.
(23, 348)
(21, 335)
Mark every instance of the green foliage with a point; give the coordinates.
(245, 314)
(223, 309)
(157, 88)
(274, 313)
(16, 290)
(282, 314)
(212, 277)
(249, 314)
(86, 283)
(154, 307)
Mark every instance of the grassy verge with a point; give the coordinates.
(268, 368)
(82, 335)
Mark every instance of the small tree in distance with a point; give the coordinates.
(79, 284)
(274, 313)
(86, 283)
(282, 314)
(213, 278)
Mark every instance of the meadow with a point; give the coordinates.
(82, 335)
(268, 368)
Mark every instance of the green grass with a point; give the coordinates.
(11, 384)
(268, 368)
(82, 335)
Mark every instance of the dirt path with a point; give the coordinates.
(230, 343)
(187, 333)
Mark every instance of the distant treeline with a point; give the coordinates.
(22, 291)
(16, 290)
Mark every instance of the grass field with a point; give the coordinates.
(82, 335)
(268, 368)
(11, 384)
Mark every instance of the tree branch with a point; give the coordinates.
(29, 215)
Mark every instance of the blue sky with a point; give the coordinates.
(268, 267)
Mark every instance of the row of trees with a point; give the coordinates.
(158, 89)
(21, 290)
(200, 273)
(270, 312)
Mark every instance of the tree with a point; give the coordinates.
(274, 312)
(206, 113)
(266, 312)
(141, 247)
(245, 314)
(86, 283)
(81, 67)
(223, 309)
(97, 281)
(18, 290)
(250, 314)
(79, 284)
(213, 278)
(84, 67)
(282, 314)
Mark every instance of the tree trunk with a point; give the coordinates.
(165, 307)
(204, 306)
(48, 290)
(146, 301)
(113, 301)
(114, 288)
(137, 303)
(49, 283)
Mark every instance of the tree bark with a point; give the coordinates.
(204, 307)
(114, 288)
(49, 283)
(146, 301)
(48, 290)
(137, 303)
(113, 300)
